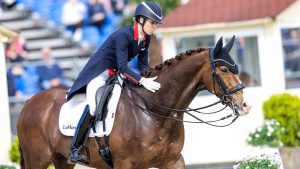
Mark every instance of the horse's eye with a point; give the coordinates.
(224, 71)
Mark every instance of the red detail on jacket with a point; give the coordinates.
(135, 32)
(131, 78)
(111, 72)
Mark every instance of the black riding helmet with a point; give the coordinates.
(149, 10)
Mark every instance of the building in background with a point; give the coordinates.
(267, 50)
(5, 36)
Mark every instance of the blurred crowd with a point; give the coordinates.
(25, 79)
(76, 14)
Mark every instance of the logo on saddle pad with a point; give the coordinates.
(69, 127)
(71, 112)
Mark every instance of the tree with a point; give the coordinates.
(166, 5)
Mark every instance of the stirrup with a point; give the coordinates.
(75, 157)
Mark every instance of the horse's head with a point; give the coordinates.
(224, 81)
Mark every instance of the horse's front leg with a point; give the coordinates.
(118, 164)
(129, 164)
(179, 164)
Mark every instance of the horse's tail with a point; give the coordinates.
(22, 164)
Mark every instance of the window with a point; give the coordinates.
(291, 52)
(245, 53)
(184, 44)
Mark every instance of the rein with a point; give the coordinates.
(176, 110)
(225, 99)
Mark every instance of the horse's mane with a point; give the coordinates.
(154, 71)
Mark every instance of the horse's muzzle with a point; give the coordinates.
(243, 109)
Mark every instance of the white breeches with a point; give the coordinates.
(92, 88)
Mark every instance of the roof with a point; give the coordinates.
(197, 12)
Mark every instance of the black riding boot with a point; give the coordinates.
(81, 134)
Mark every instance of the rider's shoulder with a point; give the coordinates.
(124, 31)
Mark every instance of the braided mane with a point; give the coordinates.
(157, 68)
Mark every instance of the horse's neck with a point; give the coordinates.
(180, 81)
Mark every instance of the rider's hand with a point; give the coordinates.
(150, 84)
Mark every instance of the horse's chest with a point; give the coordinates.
(164, 144)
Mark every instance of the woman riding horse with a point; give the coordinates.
(119, 48)
(139, 139)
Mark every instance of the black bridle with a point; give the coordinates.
(224, 99)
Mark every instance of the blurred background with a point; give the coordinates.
(46, 43)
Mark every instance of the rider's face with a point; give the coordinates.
(150, 26)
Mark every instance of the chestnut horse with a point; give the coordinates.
(138, 140)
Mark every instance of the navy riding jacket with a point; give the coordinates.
(115, 53)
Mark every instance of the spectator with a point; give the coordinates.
(25, 79)
(12, 89)
(12, 54)
(8, 4)
(292, 50)
(15, 50)
(20, 44)
(72, 17)
(118, 6)
(50, 74)
(96, 13)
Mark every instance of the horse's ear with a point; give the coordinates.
(219, 46)
(229, 44)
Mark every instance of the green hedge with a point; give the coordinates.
(14, 151)
(285, 108)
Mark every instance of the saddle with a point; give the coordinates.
(101, 124)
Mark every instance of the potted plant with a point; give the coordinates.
(9, 166)
(268, 138)
(285, 108)
(259, 162)
(268, 134)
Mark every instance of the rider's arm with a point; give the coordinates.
(122, 59)
(143, 57)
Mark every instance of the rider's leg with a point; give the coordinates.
(84, 124)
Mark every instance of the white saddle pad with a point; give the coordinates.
(72, 110)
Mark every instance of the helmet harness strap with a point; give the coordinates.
(143, 24)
